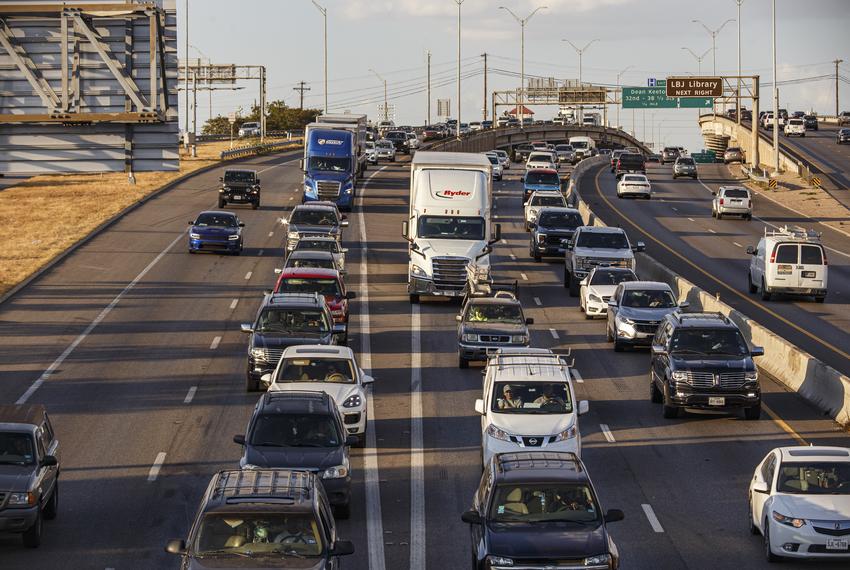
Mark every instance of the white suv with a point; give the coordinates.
(540, 159)
(529, 404)
(329, 369)
(795, 127)
(790, 261)
(732, 200)
(541, 199)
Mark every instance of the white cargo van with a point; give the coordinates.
(449, 225)
(790, 261)
(583, 146)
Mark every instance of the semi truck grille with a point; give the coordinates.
(327, 190)
(727, 380)
(449, 273)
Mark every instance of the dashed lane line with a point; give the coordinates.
(653, 520)
(524, 276)
(248, 275)
(156, 467)
(190, 395)
(233, 304)
(606, 431)
(215, 342)
(554, 334)
(538, 302)
(417, 464)
(577, 376)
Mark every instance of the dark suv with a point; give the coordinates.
(259, 518)
(552, 230)
(539, 510)
(282, 321)
(669, 154)
(630, 162)
(314, 219)
(487, 324)
(239, 187)
(399, 140)
(701, 360)
(29, 471)
(302, 430)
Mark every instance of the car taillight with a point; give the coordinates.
(721, 201)
(773, 255)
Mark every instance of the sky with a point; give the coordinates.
(392, 37)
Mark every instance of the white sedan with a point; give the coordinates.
(597, 288)
(540, 160)
(634, 185)
(799, 500)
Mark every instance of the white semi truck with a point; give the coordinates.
(449, 226)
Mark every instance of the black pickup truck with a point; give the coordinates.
(239, 187)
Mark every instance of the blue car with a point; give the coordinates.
(216, 231)
(539, 179)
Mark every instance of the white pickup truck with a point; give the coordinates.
(593, 246)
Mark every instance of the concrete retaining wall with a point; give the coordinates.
(741, 136)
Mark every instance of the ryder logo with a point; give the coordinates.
(451, 194)
(330, 142)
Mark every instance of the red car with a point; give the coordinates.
(327, 282)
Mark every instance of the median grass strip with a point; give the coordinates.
(45, 215)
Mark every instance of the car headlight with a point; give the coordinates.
(292, 235)
(222, 189)
(499, 561)
(195, 236)
(751, 376)
(233, 237)
(258, 353)
(336, 472)
(497, 433)
(470, 338)
(417, 271)
(21, 499)
(519, 338)
(308, 188)
(568, 433)
(788, 521)
(597, 560)
(595, 298)
(680, 376)
(353, 401)
(624, 320)
(348, 187)
(541, 238)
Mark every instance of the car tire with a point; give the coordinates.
(750, 285)
(462, 363)
(574, 286)
(32, 536)
(754, 530)
(537, 258)
(255, 205)
(753, 413)
(361, 441)
(655, 395)
(221, 203)
(618, 346)
(719, 215)
(251, 385)
(670, 412)
(765, 294)
(566, 278)
(820, 299)
(768, 553)
(343, 511)
(749, 217)
(414, 299)
(608, 336)
(52, 507)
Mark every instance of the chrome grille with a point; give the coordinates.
(327, 189)
(494, 338)
(590, 262)
(647, 326)
(449, 273)
(727, 380)
(272, 355)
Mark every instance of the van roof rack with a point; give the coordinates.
(796, 232)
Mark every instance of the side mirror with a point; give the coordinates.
(351, 440)
(176, 546)
(751, 250)
(343, 224)
(497, 233)
(684, 304)
(761, 487)
(343, 250)
(479, 407)
(471, 517)
(532, 226)
(756, 351)
(241, 224)
(614, 515)
(266, 378)
(658, 349)
(583, 407)
(529, 320)
(342, 548)
(278, 270)
(583, 281)
(240, 439)
(368, 379)
(246, 328)
(612, 303)
(404, 228)
(639, 246)
(351, 295)
(713, 193)
(459, 318)
(49, 461)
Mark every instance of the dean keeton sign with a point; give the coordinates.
(694, 87)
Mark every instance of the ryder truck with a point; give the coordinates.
(334, 158)
(449, 225)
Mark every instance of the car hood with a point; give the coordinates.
(15, 477)
(556, 231)
(604, 252)
(240, 563)
(533, 424)
(283, 340)
(602, 290)
(817, 507)
(494, 328)
(695, 362)
(450, 247)
(546, 541)
(642, 314)
(329, 175)
(311, 458)
(339, 392)
(214, 231)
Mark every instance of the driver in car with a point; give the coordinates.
(548, 397)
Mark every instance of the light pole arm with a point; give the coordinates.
(511, 12)
(527, 18)
(578, 51)
(324, 11)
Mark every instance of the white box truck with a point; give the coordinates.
(449, 225)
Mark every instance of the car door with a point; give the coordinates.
(46, 478)
(612, 310)
(765, 473)
(785, 270)
(657, 364)
(812, 267)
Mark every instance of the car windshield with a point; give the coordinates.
(611, 277)
(540, 157)
(316, 369)
(250, 125)
(16, 449)
(329, 163)
(318, 245)
(727, 342)
(292, 321)
(542, 178)
(231, 176)
(560, 220)
(549, 502)
(311, 263)
(820, 478)
(258, 534)
(563, 147)
(495, 313)
(397, 135)
(604, 240)
(217, 220)
(581, 145)
(493, 159)
(451, 227)
(531, 398)
(311, 217)
(554, 201)
(648, 299)
(310, 285)
(295, 430)
(736, 193)
(387, 145)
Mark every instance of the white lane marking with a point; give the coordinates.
(277, 165)
(233, 304)
(260, 253)
(524, 276)
(271, 234)
(291, 198)
(606, 431)
(650, 516)
(190, 395)
(215, 342)
(712, 231)
(374, 518)
(417, 467)
(577, 376)
(690, 219)
(737, 244)
(157, 465)
(248, 275)
(554, 334)
(102, 315)
(513, 257)
(675, 209)
(538, 302)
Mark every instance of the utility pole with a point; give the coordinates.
(262, 103)
(194, 108)
(713, 34)
(301, 88)
(837, 62)
(738, 94)
(580, 53)
(386, 108)
(186, 79)
(428, 103)
(484, 109)
(522, 23)
(620, 92)
(459, 3)
(775, 101)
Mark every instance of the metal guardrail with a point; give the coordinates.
(255, 149)
(269, 134)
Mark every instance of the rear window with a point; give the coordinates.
(736, 193)
(685, 161)
(811, 255)
(786, 254)
(542, 178)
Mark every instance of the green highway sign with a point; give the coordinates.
(656, 98)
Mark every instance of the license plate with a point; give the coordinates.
(836, 544)
(237, 196)
(717, 401)
(783, 269)
(809, 274)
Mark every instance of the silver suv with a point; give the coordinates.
(636, 309)
(732, 200)
(685, 166)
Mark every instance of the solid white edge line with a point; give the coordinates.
(538, 302)
(215, 342)
(372, 481)
(190, 395)
(248, 275)
(417, 467)
(554, 334)
(577, 376)
(606, 431)
(233, 303)
(155, 468)
(103, 314)
(737, 244)
(653, 520)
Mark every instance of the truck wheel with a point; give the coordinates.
(655, 395)
(251, 385)
(32, 536)
(750, 285)
(462, 363)
(574, 286)
(608, 336)
(566, 278)
(753, 413)
(414, 299)
(537, 258)
(670, 412)
(221, 203)
(618, 346)
(52, 508)
(255, 205)
(765, 294)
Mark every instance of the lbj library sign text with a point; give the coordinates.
(694, 87)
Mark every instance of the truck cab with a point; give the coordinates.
(334, 159)
(449, 224)
(583, 146)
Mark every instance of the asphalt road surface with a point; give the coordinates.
(145, 358)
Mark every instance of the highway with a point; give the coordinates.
(145, 358)
(821, 149)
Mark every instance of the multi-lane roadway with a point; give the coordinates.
(134, 346)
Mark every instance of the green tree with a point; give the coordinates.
(217, 126)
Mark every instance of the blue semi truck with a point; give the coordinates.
(334, 159)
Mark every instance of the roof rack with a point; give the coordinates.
(703, 315)
(284, 297)
(265, 484)
(530, 359)
(796, 232)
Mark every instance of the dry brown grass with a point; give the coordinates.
(52, 212)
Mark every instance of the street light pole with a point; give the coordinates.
(713, 34)
(775, 101)
(620, 91)
(738, 94)
(457, 130)
(186, 79)
(522, 23)
(386, 108)
(324, 12)
(699, 58)
(580, 52)
(837, 62)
